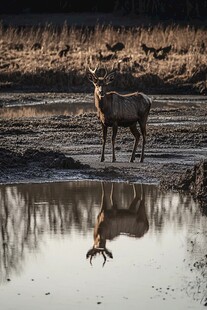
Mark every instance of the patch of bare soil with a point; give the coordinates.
(42, 158)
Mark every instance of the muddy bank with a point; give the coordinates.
(57, 146)
(46, 165)
(194, 180)
(42, 158)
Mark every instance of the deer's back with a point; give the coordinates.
(124, 109)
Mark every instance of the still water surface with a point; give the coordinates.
(152, 253)
(35, 105)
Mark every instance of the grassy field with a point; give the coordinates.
(30, 58)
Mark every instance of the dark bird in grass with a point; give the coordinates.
(36, 46)
(108, 57)
(159, 56)
(119, 46)
(64, 51)
(148, 50)
(162, 52)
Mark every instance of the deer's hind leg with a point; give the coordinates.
(114, 132)
(144, 133)
(104, 131)
(136, 135)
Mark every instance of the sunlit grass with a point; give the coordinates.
(45, 67)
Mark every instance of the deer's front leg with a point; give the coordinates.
(136, 135)
(115, 128)
(104, 130)
(143, 131)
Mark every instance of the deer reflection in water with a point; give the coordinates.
(113, 221)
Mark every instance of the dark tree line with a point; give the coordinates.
(164, 9)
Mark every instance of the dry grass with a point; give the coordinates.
(21, 65)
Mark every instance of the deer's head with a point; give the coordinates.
(100, 82)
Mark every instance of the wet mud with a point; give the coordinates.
(194, 180)
(63, 146)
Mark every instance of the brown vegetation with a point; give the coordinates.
(21, 64)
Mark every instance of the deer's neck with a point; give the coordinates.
(100, 242)
(103, 105)
(99, 102)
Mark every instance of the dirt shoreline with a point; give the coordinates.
(68, 147)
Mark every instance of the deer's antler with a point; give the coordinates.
(92, 253)
(93, 71)
(106, 72)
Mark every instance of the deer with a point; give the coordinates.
(112, 221)
(117, 110)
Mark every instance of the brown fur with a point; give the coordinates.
(116, 110)
(112, 221)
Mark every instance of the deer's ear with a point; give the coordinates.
(110, 77)
(92, 78)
